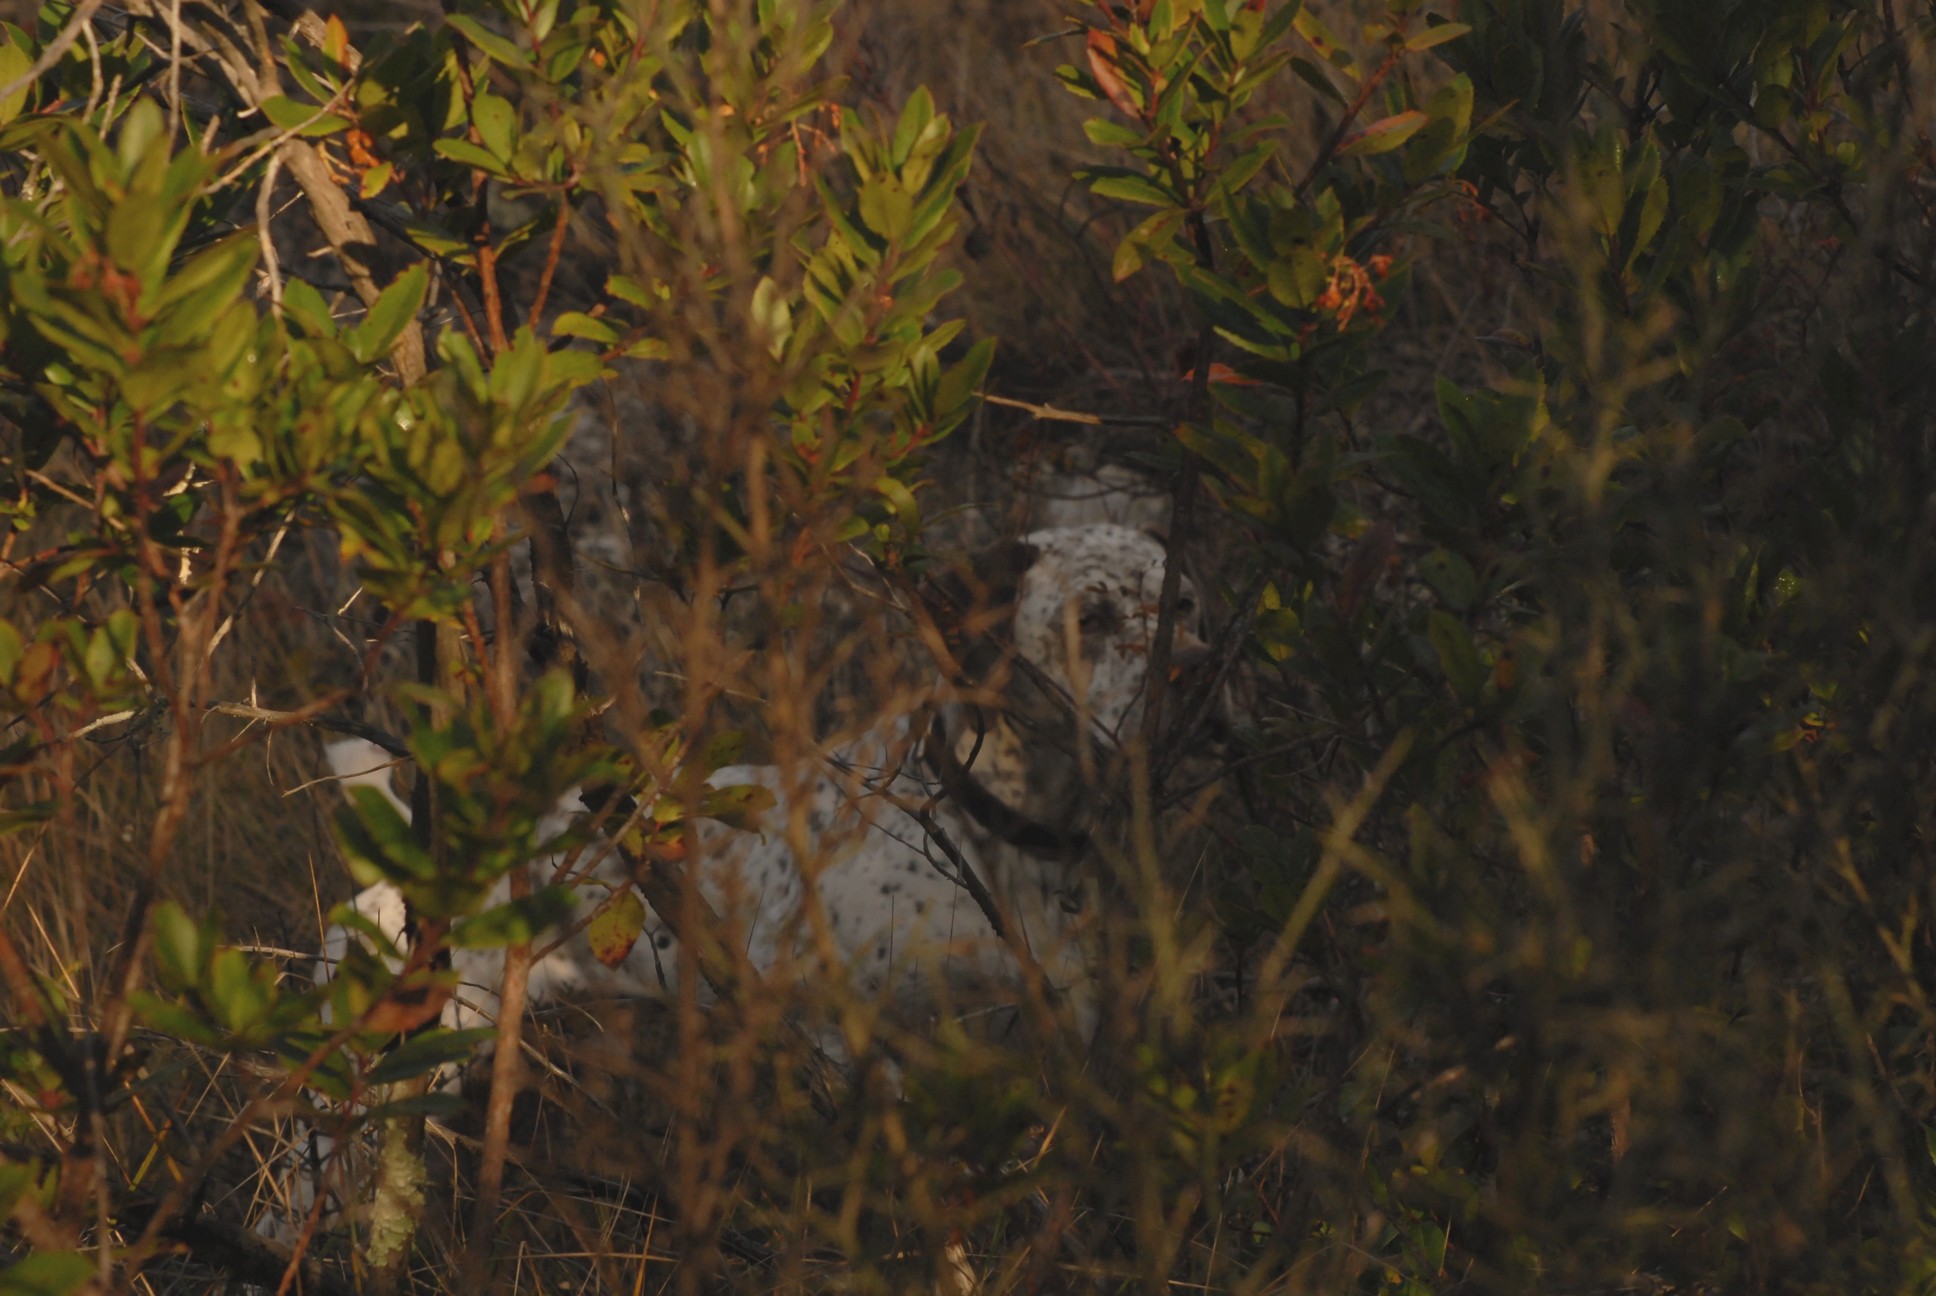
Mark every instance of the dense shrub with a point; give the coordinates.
(1550, 415)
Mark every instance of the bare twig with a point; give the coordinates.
(505, 1070)
(1053, 414)
(334, 723)
(343, 227)
(552, 255)
(174, 69)
(1338, 132)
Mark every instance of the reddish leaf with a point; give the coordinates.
(1222, 373)
(615, 928)
(1102, 64)
(671, 851)
(413, 1001)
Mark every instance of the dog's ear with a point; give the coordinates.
(981, 590)
(973, 603)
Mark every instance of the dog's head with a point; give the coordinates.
(1086, 608)
(1077, 607)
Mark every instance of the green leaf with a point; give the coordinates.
(580, 325)
(374, 938)
(172, 1018)
(14, 62)
(915, 116)
(726, 747)
(1327, 45)
(515, 921)
(377, 842)
(138, 238)
(302, 302)
(98, 660)
(1106, 133)
(47, 1273)
(393, 310)
(1441, 146)
(1452, 644)
(630, 291)
(616, 926)
(497, 124)
(1296, 280)
(885, 206)
(738, 806)
(900, 500)
(1384, 135)
(1242, 168)
(141, 130)
(1451, 578)
(1152, 236)
(179, 946)
(1437, 34)
(1314, 76)
(240, 1000)
(1128, 186)
(959, 383)
(489, 41)
(425, 1052)
(436, 240)
(771, 316)
(305, 119)
(12, 648)
(471, 155)
(207, 283)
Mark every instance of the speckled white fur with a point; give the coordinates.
(1084, 616)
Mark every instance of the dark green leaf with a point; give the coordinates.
(514, 921)
(739, 806)
(304, 119)
(426, 1051)
(489, 41)
(393, 310)
(1451, 578)
(47, 1273)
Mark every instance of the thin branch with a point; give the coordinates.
(333, 723)
(1338, 132)
(552, 254)
(505, 1070)
(1053, 414)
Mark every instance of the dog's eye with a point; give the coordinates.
(1186, 606)
(1096, 618)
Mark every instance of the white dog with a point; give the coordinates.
(1005, 785)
